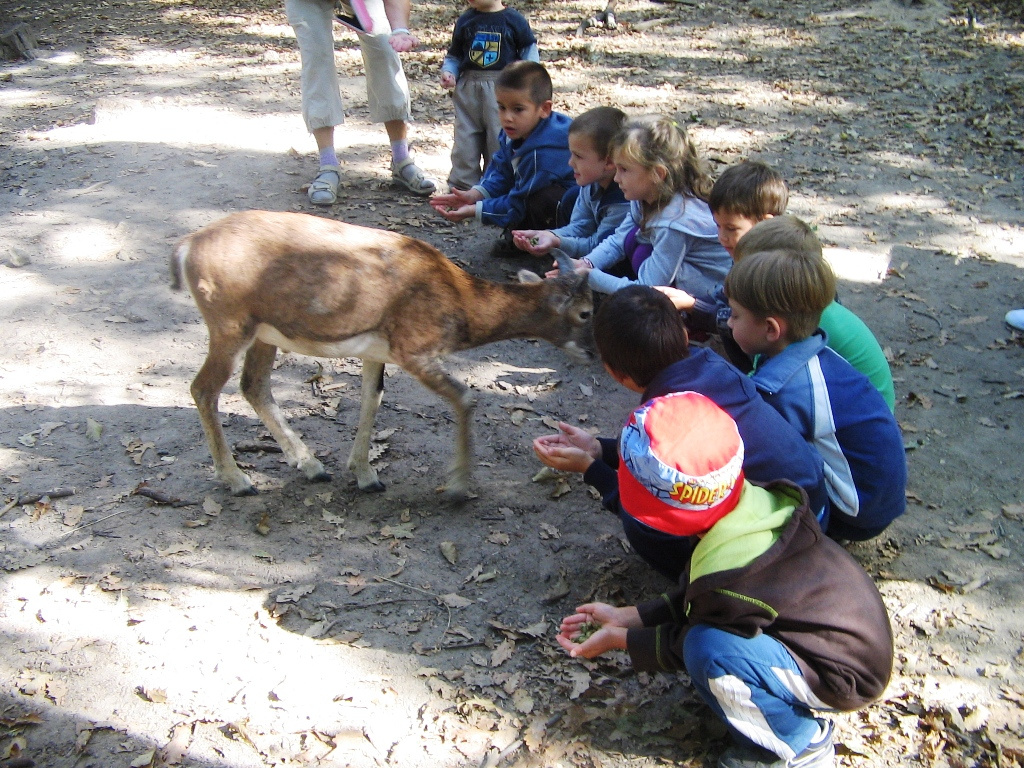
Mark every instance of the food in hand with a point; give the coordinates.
(586, 630)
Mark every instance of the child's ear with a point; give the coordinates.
(776, 329)
(545, 108)
(660, 171)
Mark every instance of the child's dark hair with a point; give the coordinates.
(786, 284)
(639, 333)
(656, 140)
(786, 233)
(529, 76)
(600, 125)
(752, 188)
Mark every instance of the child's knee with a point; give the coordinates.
(703, 646)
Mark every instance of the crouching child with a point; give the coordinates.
(772, 620)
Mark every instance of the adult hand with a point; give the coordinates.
(571, 450)
(403, 40)
(681, 300)
(535, 241)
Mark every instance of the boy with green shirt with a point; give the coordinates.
(748, 202)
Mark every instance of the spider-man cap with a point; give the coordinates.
(680, 464)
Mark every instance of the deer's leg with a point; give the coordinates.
(206, 389)
(432, 376)
(359, 456)
(259, 362)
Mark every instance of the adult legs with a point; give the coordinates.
(322, 107)
(387, 94)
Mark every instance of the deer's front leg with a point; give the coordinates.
(206, 389)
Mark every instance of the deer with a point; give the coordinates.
(265, 281)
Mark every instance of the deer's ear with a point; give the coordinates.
(565, 265)
(526, 276)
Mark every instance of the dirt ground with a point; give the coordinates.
(316, 625)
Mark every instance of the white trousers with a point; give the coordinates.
(387, 90)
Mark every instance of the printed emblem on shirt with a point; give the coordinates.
(486, 49)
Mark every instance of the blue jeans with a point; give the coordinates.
(755, 686)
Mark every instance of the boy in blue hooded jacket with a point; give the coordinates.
(530, 173)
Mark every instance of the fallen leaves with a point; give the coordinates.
(137, 448)
(450, 551)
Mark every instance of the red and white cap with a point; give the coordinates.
(680, 464)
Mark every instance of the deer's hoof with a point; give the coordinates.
(248, 490)
(323, 476)
(375, 487)
(454, 496)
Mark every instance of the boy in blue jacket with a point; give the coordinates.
(777, 298)
(600, 205)
(530, 173)
(749, 205)
(643, 345)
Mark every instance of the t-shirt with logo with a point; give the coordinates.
(490, 41)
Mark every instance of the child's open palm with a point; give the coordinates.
(612, 633)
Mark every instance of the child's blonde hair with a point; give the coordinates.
(657, 140)
(790, 285)
(787, 233)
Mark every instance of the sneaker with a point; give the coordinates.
(324, 188)
(819, 754)
(415, 180)
(1015, 319)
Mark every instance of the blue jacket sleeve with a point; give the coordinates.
(451, 64)
(610, 251)
(502, 208)
(669, 247)
(591, 233)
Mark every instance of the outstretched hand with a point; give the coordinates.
(456, 205)
(613, 624)
(681, 300)
(579, 266)
(537, 242)
(571, 450)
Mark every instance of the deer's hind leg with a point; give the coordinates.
(255, 385)
(206, 389)
(359, 456)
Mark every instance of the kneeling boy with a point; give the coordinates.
(530, 173)
(777, 298)
(643, 345)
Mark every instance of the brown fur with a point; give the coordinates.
(318, 281)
